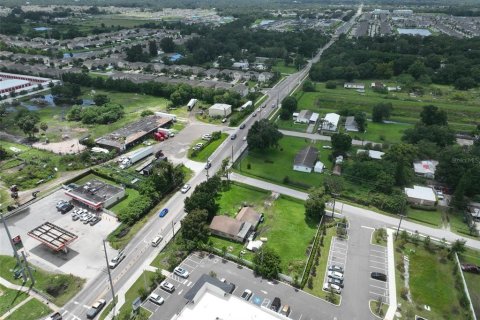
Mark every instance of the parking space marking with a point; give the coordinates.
(189, 284)
(379, 251)
(180, 292)
(265, 303)
(380, 262)
(380, 268)
(185, 264)
(379, 294)
(382, 288)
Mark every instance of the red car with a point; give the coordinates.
(467, 267)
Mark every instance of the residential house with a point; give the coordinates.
(425, 168)
(212, 73)
(230, 228)
(330, 122)
(241, 89)
(250, 215)
(220, 110)
(306, 116)
(350, 124)
(244, 65)
(319, 167)
(419, 195)
(305, 159)
(377, 85)
(265, 76)
(372, 154)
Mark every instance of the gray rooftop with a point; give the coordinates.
(226, 287)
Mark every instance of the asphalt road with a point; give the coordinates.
(139, 249)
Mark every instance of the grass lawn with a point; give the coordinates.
(131, 195)
(317, 288)
(432, 282)
(291, 125)
(10, 298)
(285, 227)
(32, 310)
(207, 151)
(282, 68)
(405, 108)
(132, 294)
(382, 132)
(473, 280)
(379, 312)
(378, 239)
(458, 224)
(276, 164)
(431, 218)
(71, 285)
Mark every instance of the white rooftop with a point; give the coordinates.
(374, 154)
(220, 106)
(213, 306)
(8, 83)
(419, 192)
(425, 167)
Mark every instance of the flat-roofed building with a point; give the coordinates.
(419, 195)
(96, 194)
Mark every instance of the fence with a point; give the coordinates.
(313, 252)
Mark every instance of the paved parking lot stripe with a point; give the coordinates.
(192, 267)
(380, 268)
(375, 261)
(378, 294)
(380, 251)
(180, 292)
(382, 288)
(366, 227)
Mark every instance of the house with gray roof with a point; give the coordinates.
(305, 159)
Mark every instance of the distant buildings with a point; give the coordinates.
(220, 110)
(10, 82)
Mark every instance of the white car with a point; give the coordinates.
(335, 275)
(185, 188)
(115, 261)
(155, 298)
(181, 272)
(199, 145)
(334, 287)
(167, 286)
(207, 137)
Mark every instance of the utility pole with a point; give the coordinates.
(401, 218)
(28, 268)
(110, 280)
(15, 253)
(173, 229)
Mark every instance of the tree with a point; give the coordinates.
(308, 86)
(315, 204)
(361, 120)
(195, 227)
(458, 246)
(167, 45)
(44, 127)
(27, 121)
(101, 99)
(341, 143)
(458, 199)
(267, 263)
(152, 48)
(441, 135)
(381, 111)
(289, 106)
(263, 135)
(330, 84)
(333, 184)
(465, 83)
(431, 115)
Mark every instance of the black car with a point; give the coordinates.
(55, 316)
(379, 276)
(208, 165)
(233, 136)
(242, 126)
(276, 304)
(65, 208)
(338, 282)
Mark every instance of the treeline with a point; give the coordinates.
(439, 59)
(179, 94)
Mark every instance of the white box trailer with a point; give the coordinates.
(166, 115)
(135, 156)
(191, 104)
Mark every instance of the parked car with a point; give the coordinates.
(95, 309)
(335, 274)
(331, 286)
(276, 304)
(65, 208)
(155, 298)
(76, 216)
(334, 267)
(167, 286)
(163, 213)
(90, 218)
(379, 276)
(208, 165)
(286, 308)
(60, 204)
(116, 261)
(337, 282)
(206, 136)
(254, 114)
(246, 294)
(95, 220)
(242, 126)
(468, 267)
(55, 316)
(181, 272)
(185, 188)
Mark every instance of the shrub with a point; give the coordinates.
(331, 85)
(404, 293)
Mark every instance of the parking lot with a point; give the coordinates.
(377, 261)
(303, 305)
(85, 257)
(337, 255)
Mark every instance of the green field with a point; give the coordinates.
(282, 68)
(206, 151)
(290, 125)
(431, 218)
(473, 280)
(432, 283)
(285, 227)
(462, 107)
(276, 164)
(10, 298)
(69, 284)
(32, 310)
(382, 132)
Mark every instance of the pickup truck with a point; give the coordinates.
(95, 309)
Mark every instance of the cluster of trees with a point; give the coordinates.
(381, 111)
(289, 106)
(180, 93)
(263, 135)
(164, 178)
(103, 114)
(67, 93)
(440, 59)
(28, 122)
(137, 53)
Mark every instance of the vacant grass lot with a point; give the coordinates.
(458, 224)
(32, 310)
(461, 107)
(276, 164)
(285, 227)
(207, 151)
(382, 132)
(282, 68)
(133, 293)
(69, 284)
(431, 218)
(432, 283)
(291, 125)
(473, 280)
(10, 298)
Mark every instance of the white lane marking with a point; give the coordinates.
(378, 294)
(264, 292)
(379, 251)
(374, 261)
(381, 288)
(189, 284)
(366, 227)
(380, 268)
(64, 312)
(180, 292)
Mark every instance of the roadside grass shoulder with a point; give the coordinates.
(431, 218)
(208, 150)
(32, 310)
(472, 279)
(377, 309)
(60, 287)
(9, 298)
(134, 292)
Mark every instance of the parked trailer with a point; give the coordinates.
(135, 156)
(246, 105)
(166, 115)
(191, 104)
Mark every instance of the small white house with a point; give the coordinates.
(305, 159)
(319, 167)
(350, 124)
(220, 110)
(372, 154)
(419, 195)
(352, 85)
(306, 116)
(330, 122)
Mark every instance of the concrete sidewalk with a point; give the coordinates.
(392, 290)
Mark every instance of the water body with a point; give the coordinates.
(415, 32)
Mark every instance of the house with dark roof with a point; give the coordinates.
(350, 124)
(230, 228)
(305, 159)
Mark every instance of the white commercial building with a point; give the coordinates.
(330, 122)
(419, 195)
(220, 110)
